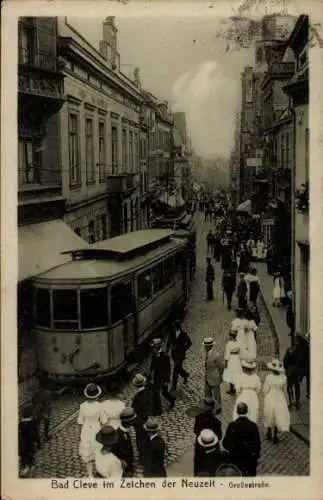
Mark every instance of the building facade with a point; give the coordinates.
(101, 149)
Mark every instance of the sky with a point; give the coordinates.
(182, 61)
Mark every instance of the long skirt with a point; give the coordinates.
(276, 413)
(233, 370)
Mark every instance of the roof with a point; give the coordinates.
(101, 270)
(133, 241)
(40, 247)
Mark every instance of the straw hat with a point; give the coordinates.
(207, 438)
(233, 333)
(209, 341)
(107, 436)
(276, 366)
(139, 380)
(151, 425)
(157, 342)
(127, 415)
(92, 391)
(235, 349)
(250, 365)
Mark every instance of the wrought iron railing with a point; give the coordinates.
(37, 59)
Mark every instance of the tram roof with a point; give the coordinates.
(96, 270)
(135, 240)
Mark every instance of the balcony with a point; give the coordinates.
(122, 183)
(38, 60)
(143, 120)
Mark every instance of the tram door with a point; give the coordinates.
(129, 323)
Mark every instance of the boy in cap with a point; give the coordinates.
(160, 375)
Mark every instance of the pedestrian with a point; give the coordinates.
(42, 406)
(276, 413)
(210, 275)
(208, 456)
(240, 322)
(290, 315)
(244, 261)
(142, 404)
(278, 292)
(228, 286)
(269, 259)
(178, 343)
(123, 448)
(206, 214)
(91, 416)
(112, 408)
(213, 372)
(253, 316)
(253, 286)
(107, 464)
(154, 454)
(226, 255)
(242, 441)
(242, 290)
(302, 343)
(260, 250)
(206, 419)
(160, 376)
(247, 341)
(217, 247)
(232, 370)
(209, 242)
(248, 386)
(28, 439)
(290, 363)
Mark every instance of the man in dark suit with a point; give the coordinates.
(242, 441)
(143, 406)
(123, 448)
(160, 375)
(178, 343)
(207, 420)
(154, 454)
(209, 279)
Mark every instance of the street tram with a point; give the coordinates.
(94, 313)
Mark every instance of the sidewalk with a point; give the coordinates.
(300, 419)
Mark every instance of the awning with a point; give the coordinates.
(40, 246)
(245, 207)
(172, 201)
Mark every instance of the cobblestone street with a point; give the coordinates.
(59, 456)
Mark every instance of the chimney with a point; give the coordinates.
(108, 45)
(136, 78)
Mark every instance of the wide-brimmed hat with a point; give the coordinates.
(139, 380)
(107, 436)
(92, 391)
(234, 349)
(233, 332)
(276, 366)
(249, 364)
(207, 438)
(209, 341)
(151, 425)
(157, 342)
(127, 415)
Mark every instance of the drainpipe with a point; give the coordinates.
(292, 111)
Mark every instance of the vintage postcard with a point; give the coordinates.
(161, 249)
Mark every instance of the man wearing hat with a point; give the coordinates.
(178, 343)
(208, 455)
(123, 448)
(213, 372)
(242, 441)
(209, 278)
(207, 420)
(143, 406)
(154, 453)
(160, 375)
(107, 464)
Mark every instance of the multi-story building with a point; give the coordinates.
(42, 233)
(246, 132)
(235, 165)
(298, 91)
(100, 149)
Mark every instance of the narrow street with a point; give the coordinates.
(59, 456)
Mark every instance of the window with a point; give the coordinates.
(104, 226)
(90, 173)
(178, 263)
(98, 228)
(168, 270)
(102, 151)
(137, 152)
(27, 45)
(282, 151)
(91, 231)
(42, 299)
(114, 148)
(73, 146)
(307, 146)
(29, 159)
(130, 151)
(94, 308)
(122, 302)
(144, 286)
(157, 278)
(65, 313)
(124, 150)
(78, 231)
(288, 159)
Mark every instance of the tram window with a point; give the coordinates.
(122, 302)
(168, 270)
(65, 309)
(144, 286)
(94, 308)
(42, 307)
(179, 257)
(157, 278)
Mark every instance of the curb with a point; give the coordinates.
(299, 434)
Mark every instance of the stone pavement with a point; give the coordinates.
(300, 419)
(59, 456)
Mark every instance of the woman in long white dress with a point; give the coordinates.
(233, 368)
(247, 342)
(276, 413)
(90, 417)
(112, 408)
(278, 292)
(239, 323)
(248, 386)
